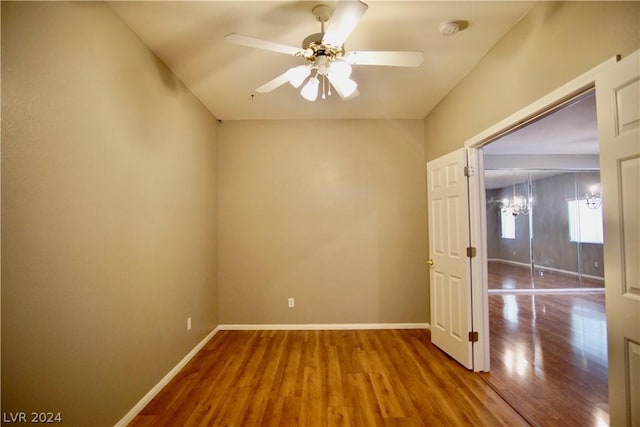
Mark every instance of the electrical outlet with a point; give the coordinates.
(188, 323)
(595, 264)
(292, 302)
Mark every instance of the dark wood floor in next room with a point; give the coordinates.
(549, 351)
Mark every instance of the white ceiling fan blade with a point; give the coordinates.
(261, 44)
(390, 58)
(274, 84)
(344, 19)
(336, 86)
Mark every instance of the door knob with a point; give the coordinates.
(430, 262)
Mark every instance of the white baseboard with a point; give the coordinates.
(542, 267)
(323, 326)
(508, 261)
(164, 381)
(268, 327)
(505, 291)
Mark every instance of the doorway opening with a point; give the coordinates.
(545, 268)
(543, 203)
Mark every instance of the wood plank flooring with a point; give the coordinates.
(549, 357)
(326, 378)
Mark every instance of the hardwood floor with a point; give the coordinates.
(549, 357)
(548, 361)
(510, 276)
(326, 378)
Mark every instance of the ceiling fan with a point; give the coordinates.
(327, 63)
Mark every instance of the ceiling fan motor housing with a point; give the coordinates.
(314, 48)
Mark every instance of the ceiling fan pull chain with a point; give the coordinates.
(324, 96)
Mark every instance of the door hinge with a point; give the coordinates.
(471, 252)
(468, 171)
(473, 337)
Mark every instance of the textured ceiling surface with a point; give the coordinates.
(188, 36)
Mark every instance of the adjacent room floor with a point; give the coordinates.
(549, 355)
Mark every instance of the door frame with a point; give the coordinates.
(477, 212)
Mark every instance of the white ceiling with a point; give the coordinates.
(188, 36)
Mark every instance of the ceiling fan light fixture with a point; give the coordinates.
(310, 90)
(297, 75)
(324, 53)
(341, 69)
(345, 86)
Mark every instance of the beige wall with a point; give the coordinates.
(331, 213)
(110, 182)
(555, 43)
(108, 214)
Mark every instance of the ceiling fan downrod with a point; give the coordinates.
(322, 12)
(313, 46)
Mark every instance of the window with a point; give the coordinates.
(585, 223)
(508, 224)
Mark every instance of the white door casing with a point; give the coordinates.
(449, 266)
(520, 118)
(618, 107)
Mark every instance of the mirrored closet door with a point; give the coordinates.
(544, 229)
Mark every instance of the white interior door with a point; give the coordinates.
(448, 262)
(618, 104)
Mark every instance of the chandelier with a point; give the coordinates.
(516, 205)
(593, 198)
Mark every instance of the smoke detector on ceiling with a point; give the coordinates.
(449, 28)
